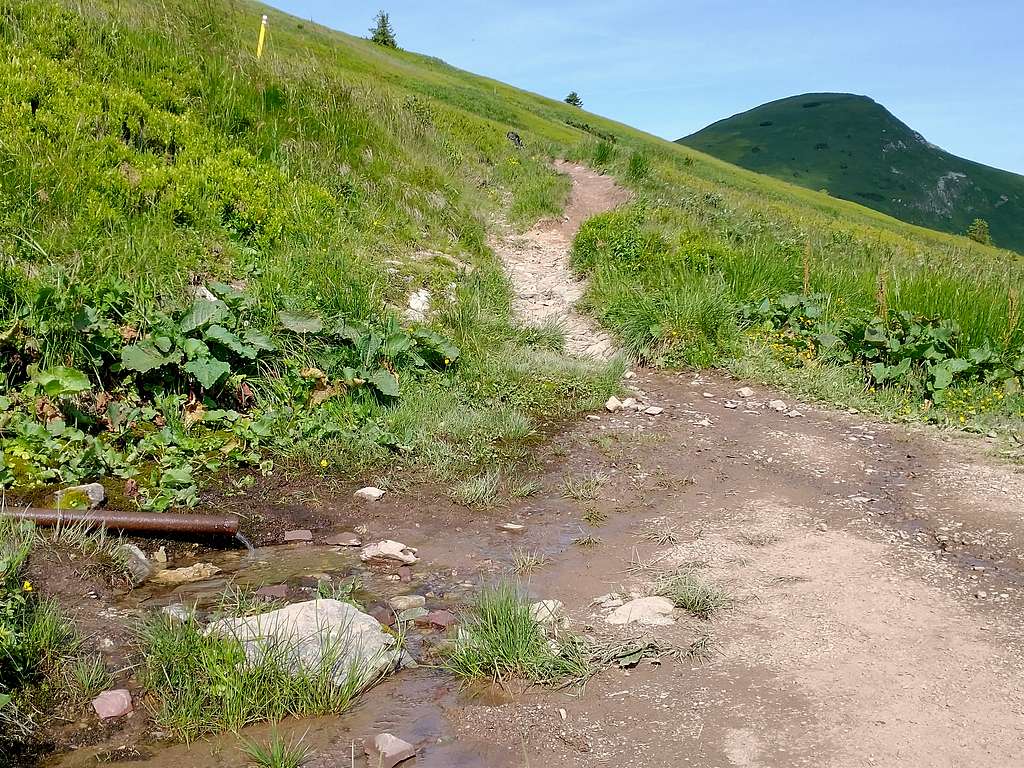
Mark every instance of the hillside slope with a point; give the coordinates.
(857, 150)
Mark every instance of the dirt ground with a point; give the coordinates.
(874, 575)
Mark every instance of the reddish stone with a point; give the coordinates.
(301, 534)
(405, 573)
(110, 704)
(383, 614)
(273, 592)
(439, 619)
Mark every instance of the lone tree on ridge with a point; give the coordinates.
(574, 99)
(382, 32)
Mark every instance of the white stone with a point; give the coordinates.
(708, 395)
(405, 602)
(794, 414)
(196, 572)
(731, 404)
(312, 634)
(629, 402)
(629, 375)
(745, 392)
(512, 527)
(651, 611)
(653, 410)
(387, 751)
(546, 611)
(778, 405)
(369, 493)
(613, 404)
(136, 562)
(419, 305)
(389, 550)
(110, 704)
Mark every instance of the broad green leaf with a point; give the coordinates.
(58, 381)
(5, 403)
(260, 341)
(195, 348)
(228, 293)
(297, 323)
(207, 371)
(226, 338)
(385, 382)
(144, 357)
(201, 314)
(177, 477)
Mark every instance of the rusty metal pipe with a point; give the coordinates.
(136, 522)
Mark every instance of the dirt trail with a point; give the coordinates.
(544, 287)
(875, 576)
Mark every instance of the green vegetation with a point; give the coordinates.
(44, 669)
(692, 593)
(382, 32)
(979, 232)
(204, 257)
(573, 99)
(857, 150)
(499, 640)
(205, 685)
(277, 753)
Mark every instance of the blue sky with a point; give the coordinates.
(951, 70)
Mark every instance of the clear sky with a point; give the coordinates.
(951, 69)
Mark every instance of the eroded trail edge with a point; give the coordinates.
(545, 290)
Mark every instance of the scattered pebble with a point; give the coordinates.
(389, 550)
(405, 602)
(651, 611)
(115, 703)
(386, 750)
(369, 493)
(778, 405)
(653, 410)
(613, 404)
(196, 572)
(745, 392)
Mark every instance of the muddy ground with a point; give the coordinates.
(874, 575)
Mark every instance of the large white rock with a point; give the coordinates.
(547, 611)
(369, 493)
(313, 634)
(613, 404)
(652, 611)
(419, 305)
(389, 550)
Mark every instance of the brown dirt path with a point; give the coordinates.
(544, 288)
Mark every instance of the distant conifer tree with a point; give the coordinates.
(382, 32)
(978, 231)
(574, 99)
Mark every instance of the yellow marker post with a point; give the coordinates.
(263, 37)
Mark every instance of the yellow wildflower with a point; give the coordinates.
(323, 462)
(27, 586)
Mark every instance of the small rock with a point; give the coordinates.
(512, 527)
(273, 591)
(778, 405)
(629, 402)
(823, 526)
(419, 305)
(405, 574)
(731, 404)
(383, 614)
(136, 562)
(177, 612)
(794, 414)
(160, 555)
(196, 572)
(708, 394)
(745, 392)
(546, 611)
(592, 417)
(405, 602)
(411, 614)
(629, 375)
(652, 611)
(345, 539)
(369, 493)
(612, 404)
(981, 594)
(90, 495)
(299, 534)
(440, 619)
(115, 703)
(705, 422)
(387, 751)
(653, 410)
(389, 550)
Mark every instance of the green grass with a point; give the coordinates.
(692, 593)
(479, 490)
(839, 145)
(205, 685)
(277, 753)
(499, 641)
(584, 487)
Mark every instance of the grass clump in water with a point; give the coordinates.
(205, 685)
(277, 753)
(500, 641)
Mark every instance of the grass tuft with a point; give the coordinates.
(525, 561)
(277, 753)
(692, 593)
(478, 491)
(586, 487)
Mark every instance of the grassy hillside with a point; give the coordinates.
(857, 150)
(205, 258)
